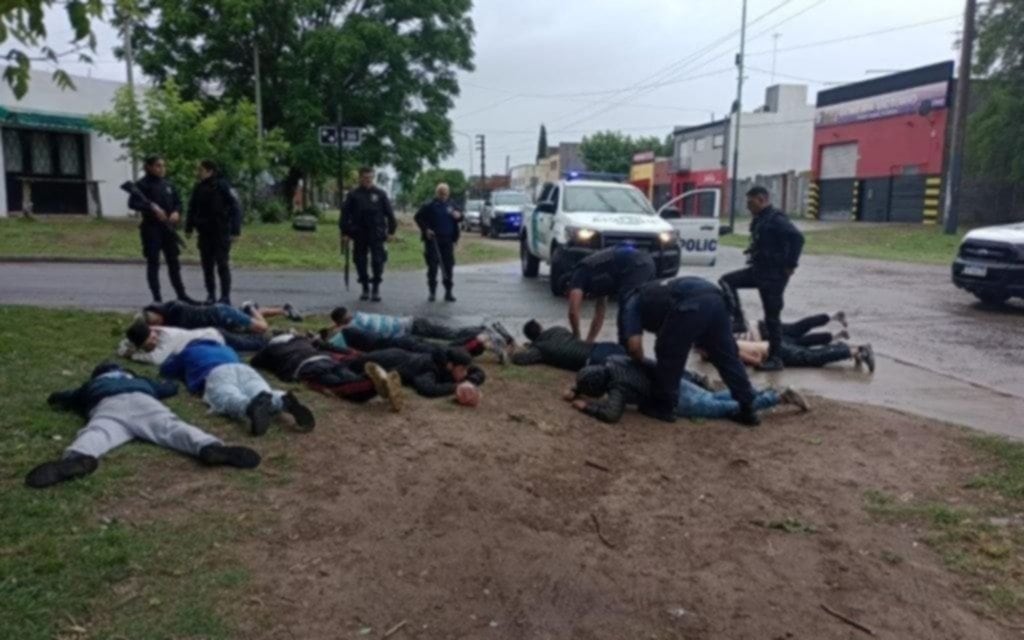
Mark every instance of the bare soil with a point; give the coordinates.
(525, 519)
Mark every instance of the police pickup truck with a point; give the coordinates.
(573, 219)
(990, 263)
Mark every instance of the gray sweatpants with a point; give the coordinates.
(231, 387)
(120, 419)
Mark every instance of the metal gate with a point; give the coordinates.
(836, 199)
(874, 200)
(907, 202)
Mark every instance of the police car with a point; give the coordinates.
(990, 263)
(504, 214)
(574, 218)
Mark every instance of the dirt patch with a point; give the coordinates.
(524, 519)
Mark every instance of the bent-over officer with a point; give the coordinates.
(614, 271)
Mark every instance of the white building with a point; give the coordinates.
(778, 137)
(52, 160)
(523, 177)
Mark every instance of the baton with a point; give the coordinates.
(345, 252)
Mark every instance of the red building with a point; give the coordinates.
(879, 147)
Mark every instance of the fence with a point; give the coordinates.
(986, 202)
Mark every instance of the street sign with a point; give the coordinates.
(328, 136)
(351, 137)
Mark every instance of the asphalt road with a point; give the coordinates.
(940, 354)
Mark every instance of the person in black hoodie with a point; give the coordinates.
(432, 375)
(772, 258)
(438, 221)
(368, 220)
(122, 407)
(158, 203)
(214, 212)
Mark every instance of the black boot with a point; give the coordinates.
(448, 297)
(69, 468)
(432, 296)
(652, 410)
(366, 293)
(216, 455)
(746, 416)
(259, 413)
(303, 416)
(375, 296)
(772, 364)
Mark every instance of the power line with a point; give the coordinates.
(799, 78)
(820, 43)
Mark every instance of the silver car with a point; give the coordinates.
(471, 216)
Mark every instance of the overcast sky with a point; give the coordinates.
(644, 66)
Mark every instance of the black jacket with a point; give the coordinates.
(187, 316)
(556, 347)
(159, 191)
(437, 217)
(213, 209)
(284, 358)
(85, 398)
(629, 384)
(367, 215)
(775, 243)
(613, 271)
(426, 373)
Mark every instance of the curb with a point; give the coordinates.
(73, 260)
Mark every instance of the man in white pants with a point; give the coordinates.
(122, 407)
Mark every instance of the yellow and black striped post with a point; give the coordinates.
(813, 199)
(856, 198)
(932, 195)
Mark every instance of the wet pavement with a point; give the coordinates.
(941, 355)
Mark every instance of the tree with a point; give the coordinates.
(996, 130)
(426, 182)
(23, 21)
(542, 144)
(613, 151)
(389, 66)
(185, 132)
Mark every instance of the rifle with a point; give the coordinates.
(132, 189)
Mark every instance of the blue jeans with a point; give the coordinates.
(602, 351)
(231, 387)
(695, 402)
(232, 319)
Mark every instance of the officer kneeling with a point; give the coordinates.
(684, 312)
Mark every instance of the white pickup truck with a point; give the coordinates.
(990, 263)
(573, 219)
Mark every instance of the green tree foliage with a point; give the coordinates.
(612, 151)
(389, 65)
(996, 133)
(185, 132)
(23, 21)
(423, 187)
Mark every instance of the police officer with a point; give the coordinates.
(614, 271)
(772, 258)
(368, 220)
(160, 207)
(683, 312)
(438, 221)
(214, 212)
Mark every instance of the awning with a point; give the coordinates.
(37, 120)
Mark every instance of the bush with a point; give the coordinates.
(272, 211)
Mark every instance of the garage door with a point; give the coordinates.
(839, 161)
(874, 200)
(836, 197)
(907, 199)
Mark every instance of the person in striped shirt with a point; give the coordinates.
(398, 326)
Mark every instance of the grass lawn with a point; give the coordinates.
(897, 242)
(272, 246)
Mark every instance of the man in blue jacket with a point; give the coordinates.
(122, 407)
(772, 258)
(438, 221)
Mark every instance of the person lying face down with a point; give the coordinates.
(558, 347)
(432, 375)
(120, 407)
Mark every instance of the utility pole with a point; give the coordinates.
(775, 52)
(259, 88)
(955, 175)
(737, 116)
(341, 160)
(481, 144)
(508, 164)
(129, 58)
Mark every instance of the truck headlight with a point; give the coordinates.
(580, 235)
(585, 235)
(668, 237)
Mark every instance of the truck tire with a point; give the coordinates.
(559, 272)
(992, 299)
(530, 263)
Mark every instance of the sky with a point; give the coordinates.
(646, 66)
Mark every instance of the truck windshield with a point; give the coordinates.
(605, 200)
(509, 199)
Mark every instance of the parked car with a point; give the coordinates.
(504, 214)
(471, 215)
(575, 218)
(990, 263)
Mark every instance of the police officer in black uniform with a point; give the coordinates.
(772, 258)
(160, 208)
(438, 221)
(683, 312)
(367, 218)
(214, 212)
(614, 271)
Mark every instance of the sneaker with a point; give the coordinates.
(658, 413)
(259, 412)
(51, 473)
(840, 317)
(842, 335)
(249, 306)
(771, 364)
(388, 385)
(303, 416)
(500, 328)
(292, 313)
(866, 355)
(746, 416)
(496, 344)
(790, 395)
(217, 455)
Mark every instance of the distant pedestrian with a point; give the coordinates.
(368, 220)
(214, 212)
(772, 258)
(158, 203)
(438, 221)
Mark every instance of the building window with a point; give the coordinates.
(70, 155)
(42, 154)
(702, 144)
(718, 141)
(13, 158)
